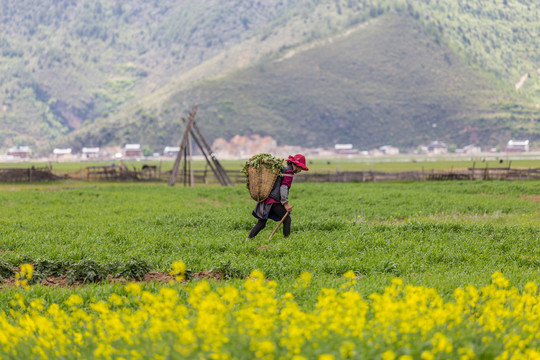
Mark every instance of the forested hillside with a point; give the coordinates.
(498, 36)
(65, 63)
(370, 72)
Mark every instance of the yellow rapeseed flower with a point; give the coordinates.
(178, 270)
(37, 304)
(388, 355)
(257, 275)
(133, 288)
(326, 357)
(466, 353)
(499, 280)
(531, 288)
(74, 300)
(405, 357)
(347, 350)
(303, 280)
(116, 299)
(27, 270)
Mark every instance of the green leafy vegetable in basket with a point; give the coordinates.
(266, 160)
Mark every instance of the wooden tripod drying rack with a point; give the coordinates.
(192, 131)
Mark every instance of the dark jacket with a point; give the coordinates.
(276, 190)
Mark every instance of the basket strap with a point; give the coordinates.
(291, 175)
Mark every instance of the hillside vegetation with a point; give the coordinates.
(306, 72)
(501, 37)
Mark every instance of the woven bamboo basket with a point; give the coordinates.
(261, 182)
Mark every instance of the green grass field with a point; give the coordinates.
(401, 270)
(439, 234)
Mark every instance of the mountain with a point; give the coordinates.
(306, 72)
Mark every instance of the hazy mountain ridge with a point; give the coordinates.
(396, 84)
(120, 71)
(68, 62)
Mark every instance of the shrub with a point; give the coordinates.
(134, 269)
(44, 268)
(87, 271)
(5, 270)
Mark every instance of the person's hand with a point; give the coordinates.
(288, 207)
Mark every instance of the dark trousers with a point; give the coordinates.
(279, 211)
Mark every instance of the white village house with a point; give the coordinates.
(62, 153)
(517, 146)
(21, 152)
(437, 147)
(132, 150)
(345, 149)
(171, 151)
(472, 149)
(389, 150)
(90, 152)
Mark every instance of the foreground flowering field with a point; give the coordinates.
(251, 321)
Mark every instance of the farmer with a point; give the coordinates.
(277, 203)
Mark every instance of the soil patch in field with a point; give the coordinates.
(151, 276)
(59, 281)
(533, 198)
(208, 274)
(157, 276)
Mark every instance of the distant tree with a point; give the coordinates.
(147, 151)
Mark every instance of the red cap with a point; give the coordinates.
(299, 160)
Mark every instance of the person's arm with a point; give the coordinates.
(285, 197)
(284, 192)
(284, 189)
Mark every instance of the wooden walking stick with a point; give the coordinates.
(279, 223)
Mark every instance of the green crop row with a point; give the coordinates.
(84, 271)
